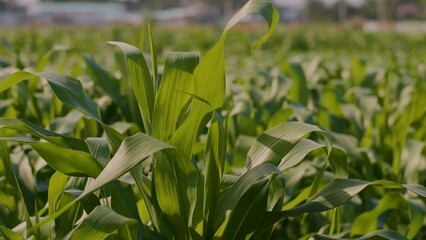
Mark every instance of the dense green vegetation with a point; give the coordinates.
(320, 132)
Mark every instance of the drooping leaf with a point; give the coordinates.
(24, 126)
(133, 151)
(99, 224)
(276, 143)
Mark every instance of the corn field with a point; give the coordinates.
(226, 133)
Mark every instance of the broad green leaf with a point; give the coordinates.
(298, 153)
(341, 190)
(156, 216)
(170, 101)
(57, 185)
(142, 84)
(65, 223)
(248, 211)
(417, 215)
(379, 234)
(99, 224)
(177, 182)
(333, 195)
(214, 162)
(8, 234)
(114, 137)
(104, 80)
(230, 199)
(14, 79)
(24, 126)
(338, 162)
(133, 151)
(123, 202)
(274, 144)
(211, 72)
(98, 148)
(368, 221)
(299, 86)
(219, 232)
(68, 161)
(70, 91)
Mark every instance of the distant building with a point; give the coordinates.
(408, 10)
(81, 13)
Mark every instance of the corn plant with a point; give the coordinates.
(170, 179)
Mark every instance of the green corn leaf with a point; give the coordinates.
(257, 177)
(299, 86)
(368, 221)
(104, 80)
(57, 185)
(98, 148)
(170, 100)
(215, 153)
(298, 153)
(70, 91)
(65, 223)
(14, 79)
(331, 196)
(211, 72)
(99, 224)
(123, 202)
(262, 7)
(276, 143)
(67, 161)
(379, 234)
(133, 151)
(338, 162)
(143, 87)
(177, 184)
(24, 126)
(341, 190)
(153, 58)
(248, 211)
(417, 214)
(8, 234)
(155, 214)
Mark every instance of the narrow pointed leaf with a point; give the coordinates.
(140, 78)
